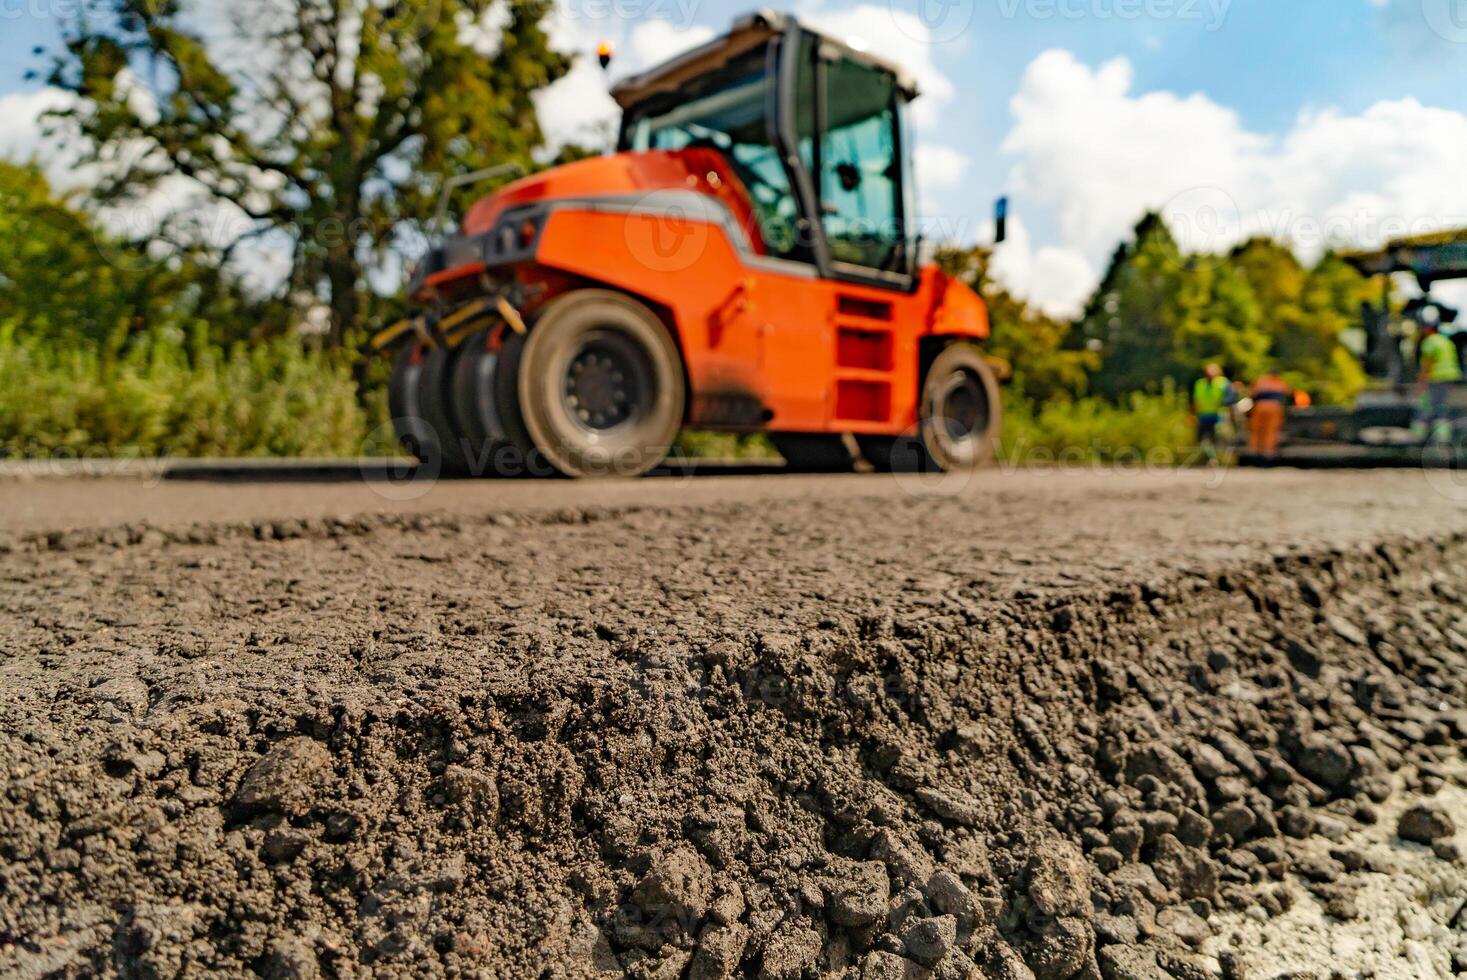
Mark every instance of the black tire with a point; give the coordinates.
(437, 412)
(472, 399)
(813, 452)
(518, 455)
(413, 434)
(892, 454)
(598, 386)
(959, 419)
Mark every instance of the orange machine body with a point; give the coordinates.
(767, 343)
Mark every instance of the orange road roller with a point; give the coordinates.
(745, 261)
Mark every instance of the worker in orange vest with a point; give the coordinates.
(1266, 419)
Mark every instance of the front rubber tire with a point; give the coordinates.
(960, 418)
(598, 386)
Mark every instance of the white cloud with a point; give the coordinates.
(1100, 155)
(578, 108)
(655, 41)
(897, 36)
(938, 166)
(1057, 279)
(21, 129)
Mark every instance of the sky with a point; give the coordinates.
(1325, 123)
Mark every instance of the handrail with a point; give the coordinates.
(454, 183)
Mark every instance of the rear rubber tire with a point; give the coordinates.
(413, 433)
(599, 387)
(813, 452)
(472, 399)
(959, 422)
(437, 412)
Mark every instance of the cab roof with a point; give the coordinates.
(746, 34)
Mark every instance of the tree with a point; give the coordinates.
(62, 281)
(328, 122)
(53, 283)
(1217, 318)
(1306, 312)
(1159, 315)
(1031, 341)
(1129, 319)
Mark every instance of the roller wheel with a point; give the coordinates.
(813, 453)
(959, 419)
(413, 433)
(473, 401)
(596, 389)
(436, 411)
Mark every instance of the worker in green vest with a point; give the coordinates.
(1211, 396)
(1439, 369)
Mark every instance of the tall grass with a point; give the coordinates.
(1141, 429)
(165, 395)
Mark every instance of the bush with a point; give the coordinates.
(1151, 429)
(163, 396)
(702, 444)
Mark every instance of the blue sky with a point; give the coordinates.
(1289, 116)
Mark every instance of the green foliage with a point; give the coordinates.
(1305, 313)
(1142, 429)
(331, 122)
(1161, 314)
(165, 397)
(701, 444)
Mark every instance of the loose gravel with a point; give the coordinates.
(1057, 725)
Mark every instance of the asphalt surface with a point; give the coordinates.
(35, 499)
(859, 725)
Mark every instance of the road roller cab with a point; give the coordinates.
(746, 261)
